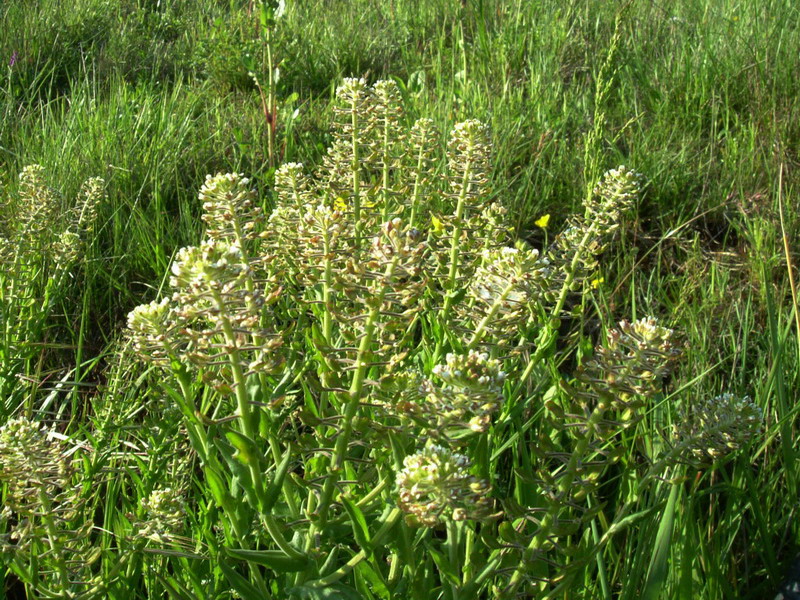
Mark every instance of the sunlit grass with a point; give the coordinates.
(703, 100)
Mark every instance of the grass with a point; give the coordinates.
(703, 99)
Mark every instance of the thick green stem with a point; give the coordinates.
(564, 485)
(354, 394)
(356, 169)
(55, 544)
(481, 329)
(393, 517)
(453, 544)
(249, 427)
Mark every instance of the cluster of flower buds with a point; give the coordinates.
(507, 290)
(435, 486)
(483, 230)
(85, 212)
(207, 276)
(351, 145)
(489, 228)
(423, 146)
(473, 371)
(164, 513)
(70, 242)
(149, 327)
(292, 186)
(629, 368)
(219, 306)
(34, 226)
(213, 316)
(401, 245)
(386, 112)
(392, 276)
(716, 427)
(31, 462)
(471, 394)
(615, 195)
(41, 503)
(321, 236)
(575, 250)
(37, 209)
(469, 160)
(463, 395)
(287, 227)
(229, 208)
(66, 248)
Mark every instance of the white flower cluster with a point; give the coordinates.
(713, 428)
(507, 290)
(474, 370)
(637, 356)
(435, 485)
(164, 514)
(229, 208)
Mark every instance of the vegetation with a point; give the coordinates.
(420, 335)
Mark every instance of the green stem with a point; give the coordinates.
(356, 168)
(55, 545)
(565, 483)
(481, 329)
(354, 394)
(457, 228)
(550, 335)
(417, 184)
(390, 522)
(453, 543)
(248, 426)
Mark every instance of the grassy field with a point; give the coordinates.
(283, 481)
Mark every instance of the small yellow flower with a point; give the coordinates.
(543, 221)
(438, 226)
(339, 204)
(596, 283)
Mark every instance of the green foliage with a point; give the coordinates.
(702, 97)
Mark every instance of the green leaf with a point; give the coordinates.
(174, 589)
(359, 524)
(246, 449)
(657, 573)
(337, 591)
(627, 522)
(444, 566)
(239, 583)
(273, 559)
(241, 474)
(274, 489)
(376, 582)
(267, 15)
(217, 486)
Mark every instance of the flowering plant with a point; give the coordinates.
(373, 379)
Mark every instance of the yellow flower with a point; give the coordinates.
(543, 221)
(438, 226)
(596, 283)
(339, 204)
